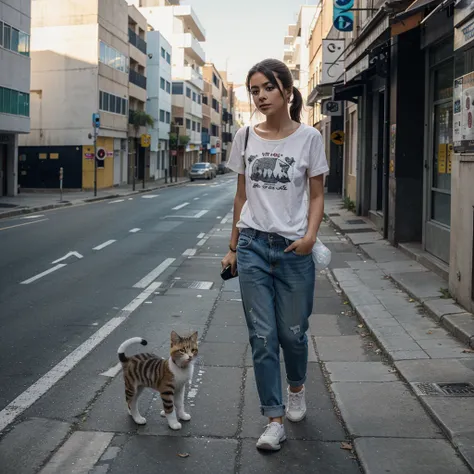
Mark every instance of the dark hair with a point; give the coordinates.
(273, 68)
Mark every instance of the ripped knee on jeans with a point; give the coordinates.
(258, 336)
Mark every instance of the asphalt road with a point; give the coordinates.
(50, 306)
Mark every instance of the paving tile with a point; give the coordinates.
(344, 349)
(408, 456)
(29, 443)
(422, 285)
(448, 353)
(383, 252)
(408, 355)
(360, 372)
(450, 370)
(151, 454)
(441, 343)
(222, 353)
(454, 414)
(229, 334)
(402, 267)
(363, 265)
(461, 326)
(340, 260)
(332, 325)
(364, 237)
(320, 423)
(398, 343)
(361, 296)
(305, 457)
(440, 307)
(331, 305)
(386, 409)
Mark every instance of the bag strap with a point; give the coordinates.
(245, 144)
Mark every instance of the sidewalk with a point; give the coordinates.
(361, 416)
(28, 202)
(407, 308)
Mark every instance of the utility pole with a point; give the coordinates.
(96, 125)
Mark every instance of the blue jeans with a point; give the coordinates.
(277, 295)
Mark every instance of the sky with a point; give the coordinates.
(240, 33)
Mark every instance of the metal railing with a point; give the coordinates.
(138, 42)
(137, 79)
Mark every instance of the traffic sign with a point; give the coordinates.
(337, 137)
(145, 140)
(101, 154)
(96, 120)
(343, 17)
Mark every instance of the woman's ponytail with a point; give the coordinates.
(296, 105)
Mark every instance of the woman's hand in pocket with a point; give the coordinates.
(302, 246)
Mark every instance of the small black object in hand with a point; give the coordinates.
(226, 274)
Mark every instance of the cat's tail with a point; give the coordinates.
(123, 347)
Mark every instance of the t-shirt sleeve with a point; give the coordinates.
(236, 162)
(317, 157)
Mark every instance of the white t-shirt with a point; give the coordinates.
(276, 179)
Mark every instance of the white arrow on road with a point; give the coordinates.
(70, 254)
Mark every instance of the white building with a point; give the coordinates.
(15, 75)
(159, 86)
(181, 26)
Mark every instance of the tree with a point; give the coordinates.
(139, 118)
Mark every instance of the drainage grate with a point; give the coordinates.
(334, 214)
(355, 221)
(431, 389)
(194, 285)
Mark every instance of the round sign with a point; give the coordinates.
(337, 137)
(101, 154)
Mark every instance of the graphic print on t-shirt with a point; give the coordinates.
(271, 169)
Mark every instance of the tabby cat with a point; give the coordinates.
(166, 376)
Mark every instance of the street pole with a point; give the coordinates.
(95, 161)
(176, 156)
(61, 184)
(144, 168)
(134, 164)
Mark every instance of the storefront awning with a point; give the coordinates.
(350, 91)
(321, 91)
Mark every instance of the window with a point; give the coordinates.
(168, 58)
(205, 100)
(163, 53)
(7, 33)
(162, 83)
(199, 127)
(168, 87)
(199, 99)
(178, 120)
(177, 88)
(162, 116)
(112, 103)
(194, 126)
(194, 97)
(188, 92)
(215, 105)
(188, 124)
(14, 39)
(215, 80)
(14, 102)
(1, 33)
(113, 58)
(168, 117)
(214, 130)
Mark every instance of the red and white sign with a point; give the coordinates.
(174, 152)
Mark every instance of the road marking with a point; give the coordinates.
(202, 242)
(113, 371)
(200, 214)
(43, 384)
(189, 252)
(24, 223)
(201, 235)
(196, 199)
(154, 274)
(70, 254)
(181, 206)
(41, 275)
(33, 217)
(135, 230)
(219, 217)
(205, 194)
(117, 200)
(224, 221)
(105, 244)
(150, 196)
(196, 216)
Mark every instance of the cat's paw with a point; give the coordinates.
(139, 420)
(184, 416)
(174, 425)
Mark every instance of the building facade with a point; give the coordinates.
(214, 96)
(80, 66)
(15, 76)
(159, 85)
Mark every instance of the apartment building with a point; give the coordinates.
(291, 50)
(206, 122)
(214, 98)
(228, 103)
(139, 156)
(158, 106)
(181, 26)
(15, 75)
(80, 66)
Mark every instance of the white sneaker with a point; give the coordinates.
(296, 409)
(273, 435)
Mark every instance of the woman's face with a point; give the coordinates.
(266, 97)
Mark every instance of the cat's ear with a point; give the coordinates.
(174, 337)
(194, 337)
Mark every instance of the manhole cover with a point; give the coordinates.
(355, 221)
(432, 389)
(4, 204)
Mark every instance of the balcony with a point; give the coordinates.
(187, 73)
(191, 21)
(192, 48)
(137, 79)
(136, 41)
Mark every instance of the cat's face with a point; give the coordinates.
(184, 350)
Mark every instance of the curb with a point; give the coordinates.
(47, 207)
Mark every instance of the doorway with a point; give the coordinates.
(3, 170)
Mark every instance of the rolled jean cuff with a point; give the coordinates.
(296, 384)
(274, 411)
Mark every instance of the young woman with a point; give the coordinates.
(278, 208)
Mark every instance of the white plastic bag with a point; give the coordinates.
(321, 255)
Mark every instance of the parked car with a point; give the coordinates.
(201, 171)
(214, 170)
(222, 167)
